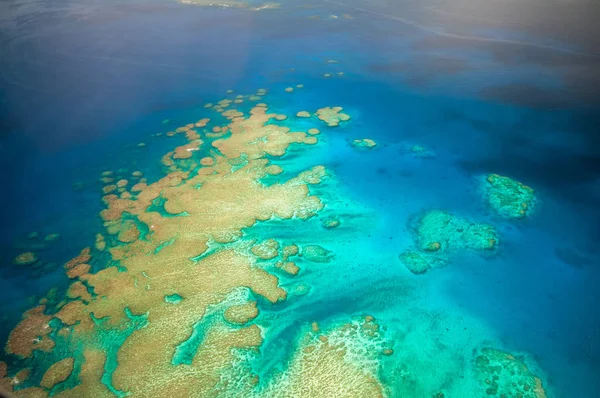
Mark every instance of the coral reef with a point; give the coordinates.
(31, 334)
(342, 362)
(57, 373)
(441, 231)
(290, 251)
(289, 266)
(332, 116)
(266, 250)
(78, 270)
(509, 198)
(439, 234)
(503, 375)
(207, 161)
(109, 188)
(100, 243)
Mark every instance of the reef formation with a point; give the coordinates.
(117, 330)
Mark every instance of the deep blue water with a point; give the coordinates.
(82, 84)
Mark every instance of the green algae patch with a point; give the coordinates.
(364, 143)
(301, 289)
(51, 237)
(27, 258)
(441, 231)
(420, 263)
(331, 222)
(509, 198)
(439, 234)
(316, 254)
(504, 375)
(420, 151)
(173, 298)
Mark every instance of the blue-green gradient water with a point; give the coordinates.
(83, 83)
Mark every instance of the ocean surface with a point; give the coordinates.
(450, 93)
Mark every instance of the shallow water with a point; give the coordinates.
(448, 98)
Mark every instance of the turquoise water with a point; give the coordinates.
(83, 85)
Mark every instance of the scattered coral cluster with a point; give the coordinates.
(271, 250)
(439, 234)
(117, 182)
(31, 253)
